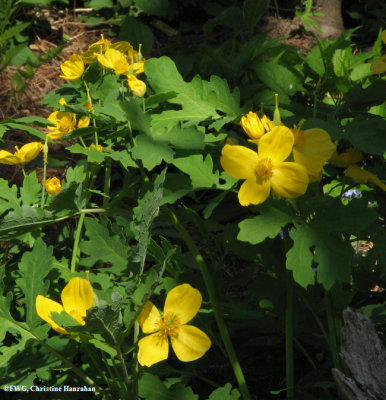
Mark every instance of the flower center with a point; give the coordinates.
(169, 325)
(264, 170)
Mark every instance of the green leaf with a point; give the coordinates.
(8, 197)
(278, 78)
(93, 155)
(135, 32)
(331, 254)
(69, 200)
(99, 4)
(153, 7)
(299, 259)
(199, 99)
(176, 186)
(182, 138)
(149, 211)
(135, 115)
(19, 331)
(269, 223)
(368, 135)
(225, 393)
(32, 131)
(33, 268)
(151, 387)
(151, 152)
(11, 32)
(31, 218)
(30, 189)
(103, 246)
(199, 170)
(253, 11)
(315, 61)
(107, 90)
(341, 61)
(106, 319)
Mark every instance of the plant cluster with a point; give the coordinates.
(254, 274)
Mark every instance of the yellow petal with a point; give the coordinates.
(73, 68)
(137, 86)
(252, 125)
(152, 349)
(318, 144)
(77, 297)
(52, 185)
(184, 301)
(115, 60)
(239, 161)
(45, 307)
(362, 176)
(8, 158)
(149, 318)
(191, 343)
(289, 180)
(29, 151)
(348, 157)
(123, 46)
(84, 121)
(253, 193)
(312, 165)
(104, 61)
(276, 144)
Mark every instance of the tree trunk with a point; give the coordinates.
(332, 21)
(364, 354)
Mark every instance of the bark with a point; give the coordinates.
(365, 356)
(332, 22)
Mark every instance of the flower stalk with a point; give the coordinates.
(215, 304)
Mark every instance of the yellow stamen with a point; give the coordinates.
(264, 170)
(169, 325)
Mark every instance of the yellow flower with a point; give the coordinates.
(266, 169)
(73, 68)
(64, 123)
(77, 298)
(137, 86)
(347, 160)
(312, 148)
(252, 125)
(84, 121)
(27, 153)
(52, 185)
(99, 47)
(188, 342)
(362, 176)
(97, 148)
(114, 59)
(348, 157)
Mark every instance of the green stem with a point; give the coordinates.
(304, 351)
(106, 188)
(315, 315)
(125, 374)
(114, 378)
(75, 250)
(69, 364)
(95, 363)
(215, 304)
(45, 149)
(333, 337)
(289, 335)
